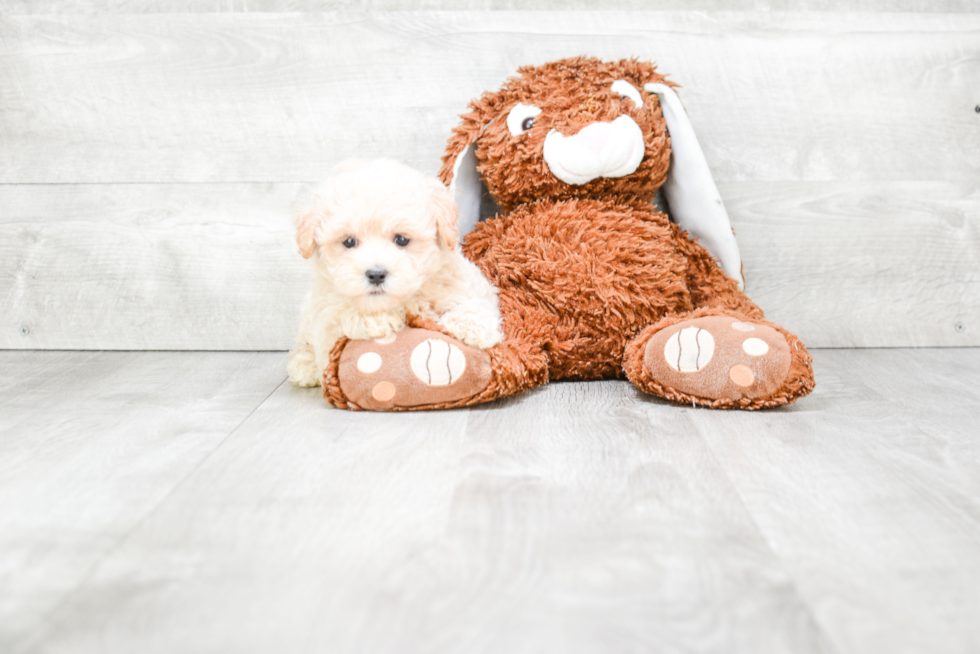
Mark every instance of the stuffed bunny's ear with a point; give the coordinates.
(467, 189)
(690, 191)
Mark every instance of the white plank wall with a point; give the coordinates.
(244, 6)
(151, 266)
(150, 160)
(278, 97)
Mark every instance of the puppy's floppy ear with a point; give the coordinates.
(459, 171)
(446, 214)
(306, 222)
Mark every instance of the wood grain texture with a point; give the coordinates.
(131, 266)
(90, 445)
(275, 97)
(863, 264)
(151, 160)
(214, 266)
(447, 532)
(33, 7)
(583, 517)
(870, 493)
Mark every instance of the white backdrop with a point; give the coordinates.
(151, 156)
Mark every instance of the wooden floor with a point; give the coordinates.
(196, 502)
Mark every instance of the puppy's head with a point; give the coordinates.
(378, 230)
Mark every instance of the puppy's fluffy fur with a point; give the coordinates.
(353, 231)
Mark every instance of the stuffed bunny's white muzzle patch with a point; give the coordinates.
(598, 150)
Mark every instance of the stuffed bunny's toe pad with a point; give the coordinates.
(415, 368)
(719, 358)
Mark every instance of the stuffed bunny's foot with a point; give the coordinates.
(414, 369)
(720, 361)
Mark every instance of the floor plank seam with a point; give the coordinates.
(803, 598)
(46, 622)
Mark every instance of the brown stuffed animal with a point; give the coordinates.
(594, 282)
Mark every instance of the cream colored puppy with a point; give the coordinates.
(383, 241)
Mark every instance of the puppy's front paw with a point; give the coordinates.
(365, 327)
(473, 329)
(302, 368)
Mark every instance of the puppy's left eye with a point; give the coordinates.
(350, 242)
(400, 240)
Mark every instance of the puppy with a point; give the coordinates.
(383, 242)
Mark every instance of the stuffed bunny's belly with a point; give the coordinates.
(580, 278)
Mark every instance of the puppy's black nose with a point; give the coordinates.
(377, 276)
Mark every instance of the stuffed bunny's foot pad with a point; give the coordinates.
(719, 358)
(414, 369)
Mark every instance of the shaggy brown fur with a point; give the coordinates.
(587, 274)
(572, 93)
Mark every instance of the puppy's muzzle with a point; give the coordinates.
(376, 276)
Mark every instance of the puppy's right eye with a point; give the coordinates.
(350, 242)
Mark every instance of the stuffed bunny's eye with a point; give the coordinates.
(521, 118)
(627, 90)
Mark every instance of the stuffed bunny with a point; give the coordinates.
(556, 177)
